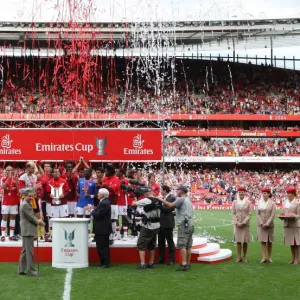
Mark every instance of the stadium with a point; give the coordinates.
(202, 96)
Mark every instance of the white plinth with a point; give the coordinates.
(70, 243)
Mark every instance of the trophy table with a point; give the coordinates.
(70, 243)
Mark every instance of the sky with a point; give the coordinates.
(147, 10)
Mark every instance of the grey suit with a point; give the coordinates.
(29, 225)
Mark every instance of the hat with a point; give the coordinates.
(291, 190)
(27, 190)
(183, 189)
(266, 190)
(241, 189)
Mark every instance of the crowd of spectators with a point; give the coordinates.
(203, 90)
(232, 147)
(220, 186)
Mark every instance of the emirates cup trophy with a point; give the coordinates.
(56, 192)
(101, 144)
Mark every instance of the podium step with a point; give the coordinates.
(209, 249)
(221, 256)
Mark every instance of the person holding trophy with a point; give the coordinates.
(58, 189)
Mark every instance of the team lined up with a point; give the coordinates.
(79, 186)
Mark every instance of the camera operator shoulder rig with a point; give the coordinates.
(154, 205)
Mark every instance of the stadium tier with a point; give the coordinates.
(45, 86)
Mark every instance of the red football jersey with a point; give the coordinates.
(113, 185)
(155, 189)
(44, 180)
(72, 181)
(123, 195)
(10, 193)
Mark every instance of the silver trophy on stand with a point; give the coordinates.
(56, 192)
(101, 144)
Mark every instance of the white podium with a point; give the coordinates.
(70, 243)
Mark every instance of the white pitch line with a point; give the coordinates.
(67, 288)
(224, 220)
(215, 226)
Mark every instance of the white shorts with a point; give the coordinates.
(48, 209)
(114, 212)
(122, 210)
(60, 211)
(9, 210)
(82, 212)
(72, 207)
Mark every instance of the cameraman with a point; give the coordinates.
(184, 221)
(149, 227)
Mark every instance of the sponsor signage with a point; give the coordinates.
(222, 207)
(138, 116)
(233, 133)
(229, 159)
(71, 144)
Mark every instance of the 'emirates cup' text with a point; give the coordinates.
(69, 252)
(62, 148)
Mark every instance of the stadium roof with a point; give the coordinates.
(219, 34)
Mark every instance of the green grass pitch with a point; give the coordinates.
(227, 280)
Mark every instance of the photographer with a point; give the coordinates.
(133, 190)
(149, 227)
(184, 221)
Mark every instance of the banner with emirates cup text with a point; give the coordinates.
(71, 144)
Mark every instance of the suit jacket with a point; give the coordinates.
(28, 221)
(166, 215)
(267, 215)
(102, 218)
(294, 209)
(241, 214)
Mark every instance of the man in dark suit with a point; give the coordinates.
(166, 228)
(29, 224)
(102, 227)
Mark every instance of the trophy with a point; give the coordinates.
(101, 144)
(56, 192)
(69, 237)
